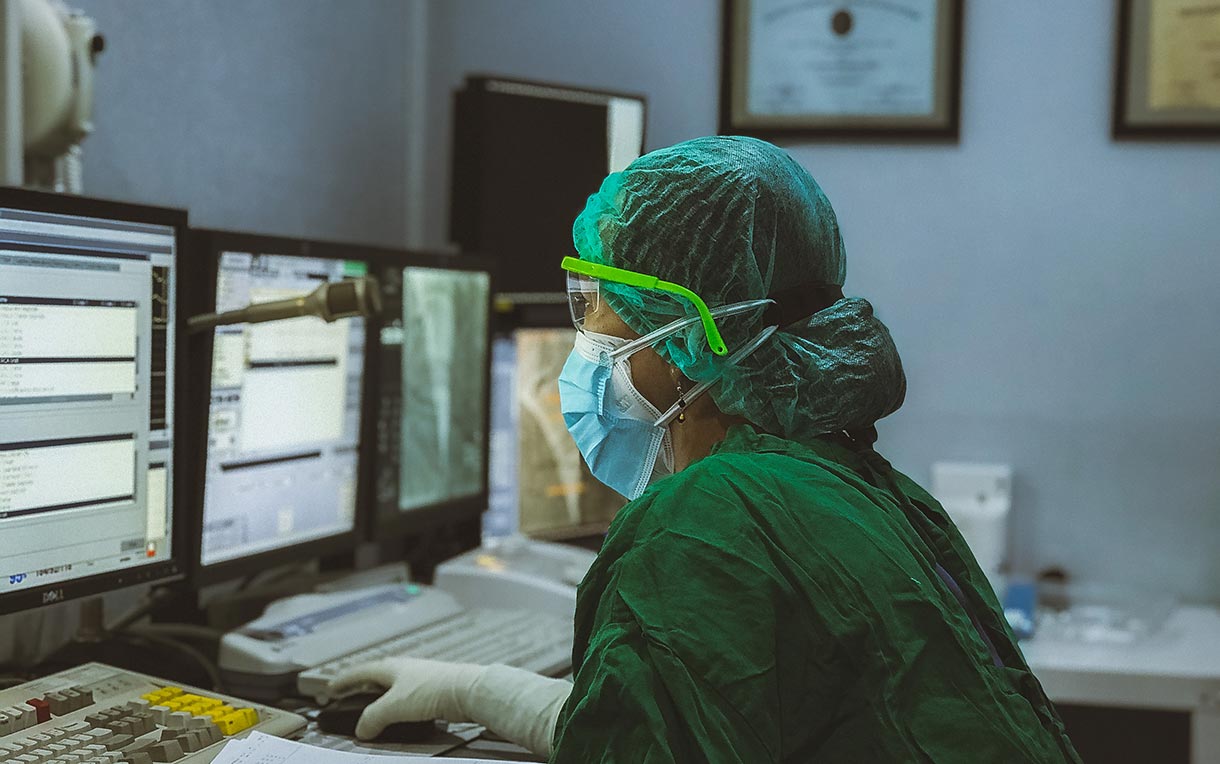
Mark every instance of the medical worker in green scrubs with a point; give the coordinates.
(774, 591)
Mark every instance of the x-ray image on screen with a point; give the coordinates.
(558, 497)
(444, 375)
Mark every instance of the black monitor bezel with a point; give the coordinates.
(206, 246)
(173, 568)
(426, 519)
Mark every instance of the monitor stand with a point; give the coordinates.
(181, 654)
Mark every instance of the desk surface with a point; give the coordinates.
(1187, 646)
(1177, 668)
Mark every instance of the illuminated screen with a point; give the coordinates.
(540, 484)
(86, 396)
(284, 416)
(433, 425)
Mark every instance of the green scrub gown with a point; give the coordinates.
(780, 602)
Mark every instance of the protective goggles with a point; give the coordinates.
(584, 296)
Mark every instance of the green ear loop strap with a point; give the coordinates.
(643, 281)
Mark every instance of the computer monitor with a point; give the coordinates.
(540, 485)
(88, 342)
(503, 203)
(434, 369)
(282, 474)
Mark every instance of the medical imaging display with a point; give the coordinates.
(557, 495)
(435, 390)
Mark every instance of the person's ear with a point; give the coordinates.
(680, 380)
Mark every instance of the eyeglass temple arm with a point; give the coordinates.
(714, 340)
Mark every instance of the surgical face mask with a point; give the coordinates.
(623, 438)
(614, 425)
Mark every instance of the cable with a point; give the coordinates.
(274, 575)
(155, 597)
(179, 631)
(209, 668)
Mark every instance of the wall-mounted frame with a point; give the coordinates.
(842, 69)
(1167, 73)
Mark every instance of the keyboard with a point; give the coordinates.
(535, 642)
(98, 714)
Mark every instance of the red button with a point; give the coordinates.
(42, 707)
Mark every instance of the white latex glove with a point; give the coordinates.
(517, 705)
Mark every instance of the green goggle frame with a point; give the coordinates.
(644, 281)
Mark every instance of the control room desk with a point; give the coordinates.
(458, 743)
(1176, 669)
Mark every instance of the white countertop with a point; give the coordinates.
(1178, 667)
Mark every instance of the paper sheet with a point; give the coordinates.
(259, 748)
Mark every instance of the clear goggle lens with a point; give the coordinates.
(583, 298)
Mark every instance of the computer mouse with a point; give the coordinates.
(339, 717)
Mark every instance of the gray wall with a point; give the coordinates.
(278, 116)
(1056, 295)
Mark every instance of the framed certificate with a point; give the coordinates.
(1167, 79)
(842, 68)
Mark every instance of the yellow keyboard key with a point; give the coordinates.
(219, 712)
(156, 696)
(168, 693)
(237, 721)
(229, 725)
(209, 702)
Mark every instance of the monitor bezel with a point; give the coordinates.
(206, 246)
(383, 528)
(173, 568)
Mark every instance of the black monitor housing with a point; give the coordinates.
(418, 516)
(207, 248)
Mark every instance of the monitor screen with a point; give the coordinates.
(282, 465)
(86, 397)
(432, 428)
(540, 484)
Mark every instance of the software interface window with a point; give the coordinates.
(86, 396)
(284, 418)
(435, 356)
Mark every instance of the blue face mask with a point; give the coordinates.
(623, 438)
(613, 424)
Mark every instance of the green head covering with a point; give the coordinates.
(737, 219)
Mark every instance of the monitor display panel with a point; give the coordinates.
(282, 465)
(87, 392)
(432, 424)
(541, 486)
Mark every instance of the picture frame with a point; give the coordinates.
(849, 70)
(1167, 70)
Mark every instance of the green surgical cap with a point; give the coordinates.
(737, 219)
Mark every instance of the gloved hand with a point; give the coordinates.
(518, 705)
(416, 690)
